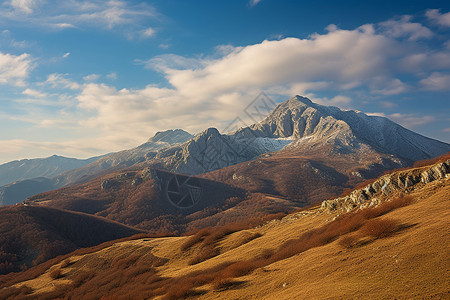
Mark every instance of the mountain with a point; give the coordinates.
(300, 118)
(31, 235)
(336, 147)
(301, 126)
(40, 167)
(392, 243)
(299, 155)
(20, 190)
(152, 200)
(329, 148)
(125, 158)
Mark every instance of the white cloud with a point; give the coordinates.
(387, 86)
(24, 6)
(209, 91)
(339, 100)
(348, 58)
(436, 82)
(33, 93)
(91, 77)
(57, 80)
(14, 68)
(441, 19)
(407, 120)
(205, 91)
(164, 46)
(254, 2)
(404, 28)
(112, 76)
(149, 32)
(60, 15)
(62, 25)
(66, 55)
(411, 120)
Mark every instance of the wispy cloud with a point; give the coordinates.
(60, 81)
(60, 15)
(14, 69)
(112, 76)
(253, 2)
(33, 93)
(407, 120)
(436, 16)
(436, 82)
(24, 6)
(208, 90)
(372, 60)
(403, 27)
(149, 32)
(92, 77)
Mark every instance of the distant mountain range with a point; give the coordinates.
(334, 146)
(302, 153)
(39, 175)
(40, 167)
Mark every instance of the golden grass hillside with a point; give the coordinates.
(399, 249)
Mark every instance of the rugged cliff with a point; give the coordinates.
(389, 185)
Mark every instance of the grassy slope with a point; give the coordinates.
(31, 235)
(412, 263)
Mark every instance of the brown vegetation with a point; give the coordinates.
(142, 280)
(380, 228)
(428, 162)
(32, 235)
(55, 274)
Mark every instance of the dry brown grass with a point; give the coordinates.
(129, 276)
(428, 162)
(349, 241)
(65, 263)
(208, 238)
(55, 274)
(380, 228)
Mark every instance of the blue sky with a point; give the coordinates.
(82, 78)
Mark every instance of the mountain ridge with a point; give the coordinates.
(296, 126)
(39, 167)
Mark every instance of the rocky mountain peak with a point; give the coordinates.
(171, 136)
(303, 100)
(208, 133)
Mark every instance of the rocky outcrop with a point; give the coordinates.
(388, 185)
(209, 151)
(132, 178)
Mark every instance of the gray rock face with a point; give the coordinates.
(208, 151)
(126, 158)
(387, 185)
(309, 126)
(298, 117)
(170, 137)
